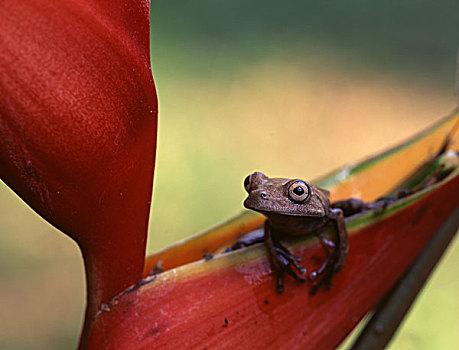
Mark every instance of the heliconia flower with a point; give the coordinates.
(230, 301)
(78, 122)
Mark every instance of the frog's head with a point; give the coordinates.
(284, 196)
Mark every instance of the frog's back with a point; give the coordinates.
(322, 196)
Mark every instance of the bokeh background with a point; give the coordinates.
(294, 89)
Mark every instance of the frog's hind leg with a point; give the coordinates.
(281, 259)
(349, 206)
(336, 260)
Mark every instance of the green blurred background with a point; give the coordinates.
(293, 88)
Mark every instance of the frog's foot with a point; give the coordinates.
(282, 261)
(335, 261)
(329, 248)
(327, 270)
(289, 260)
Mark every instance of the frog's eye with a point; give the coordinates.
(247, 183)
(298, 191)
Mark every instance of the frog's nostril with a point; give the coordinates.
(263, 195)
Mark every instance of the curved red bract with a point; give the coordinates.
(78, 123)
(231, 302)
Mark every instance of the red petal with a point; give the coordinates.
(78, 120)
(230, 301)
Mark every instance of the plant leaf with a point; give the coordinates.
(230, 300)
(367, 179)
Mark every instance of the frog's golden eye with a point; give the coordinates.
(298, 191)
(247, 183)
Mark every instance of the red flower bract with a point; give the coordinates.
(78, 121)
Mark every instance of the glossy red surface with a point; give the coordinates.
(78, 122)
(234, 305)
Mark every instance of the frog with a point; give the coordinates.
(294, 207)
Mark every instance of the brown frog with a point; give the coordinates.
(295, 207)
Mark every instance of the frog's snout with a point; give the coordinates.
(256, 200)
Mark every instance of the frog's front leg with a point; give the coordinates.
(342, 247)
(336, 261)
(281, 259)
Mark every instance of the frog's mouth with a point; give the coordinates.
(258, 205)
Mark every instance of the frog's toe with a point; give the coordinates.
(324, 281)
(314, 289)
(289, 259)
(300, 268)
(288, 268)
(292, 273)
(282, 261)
(313, 275)
(280, 284)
